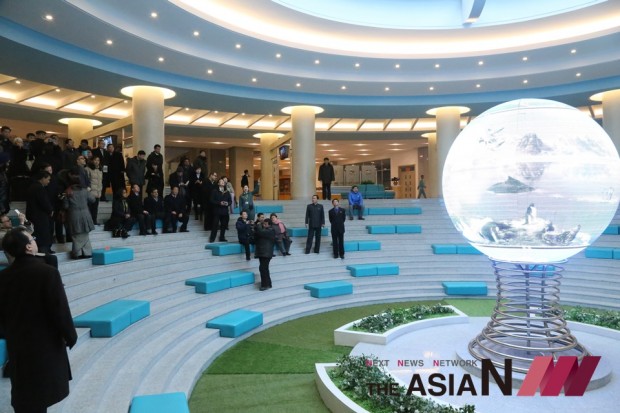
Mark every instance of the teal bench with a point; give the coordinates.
(268, 209)
(444, 248)
(408, 229)
(208, 284)
(467, 249)
(112, 318)
(381, 229)
(160, 403)
(600, 252)
(407, 210)
(612, 230)
(370, 270)
(236, 322)
(380, 211)
(363, 245)
(464, 288)
(112, 256)
(329, 289)
(220, 249)
(303, 232)
(3, 353)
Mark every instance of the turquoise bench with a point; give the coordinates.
(3, 353)
(407, 210)
(612, 230)
(381, 229)
(464, 288)
(380, 211)
(467, 249)
(600, 252)
(227, 248)
(268, 209)
(364, 245)
(443, 248)
(236, 322)
(112, 318)
(408, 229)
(329, 289)
(370, 270)
(112, 256)
(208, 284)
(303, 232)
(160, 403)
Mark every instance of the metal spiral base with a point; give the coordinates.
(527, 320)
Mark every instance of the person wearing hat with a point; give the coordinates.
(136, 168)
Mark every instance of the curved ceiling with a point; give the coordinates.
(259, 56)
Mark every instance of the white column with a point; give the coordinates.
(266, 167)
(77, 127)
(448, 128)
(611, 114)
(303, 149)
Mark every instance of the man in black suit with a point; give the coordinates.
(207, 189)
(116, 169)
(137, 210)
(154, 205)
(39, 211)
(38, 329)
(337, 217)
(220, 199)
(175, 210)
(327, 176)
(315, 220)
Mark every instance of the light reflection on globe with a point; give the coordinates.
(532, 180)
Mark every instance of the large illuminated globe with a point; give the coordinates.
(532, 181)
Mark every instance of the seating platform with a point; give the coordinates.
(602, 252)
(370, 270)
(3, 353)
(268, 209)
(407, 210)
(394, 229)
(461, 249)
(160, 403)
(236, 322)
(226, 248)
(106, 256)
(112, 318)
(303, 232)
(612, 230)
(362, 245)
(208, 284)
(467, 249)
(329, 289)
(465, 287)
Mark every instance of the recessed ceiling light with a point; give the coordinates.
(387, 89)
(396, 149)
(216, 111)
(19, 82)
(196, 33)
(254, 80)
(578, 74)
(186, 108)
(524, 58)
(331, 150)
(125, 101)
(49, 17)
(298, 84)
(92, 96)
(365, 154)
(357, 65)
(161, 59)
(397, 66)
(154, 15)
(57, 90)
(317, 61)
(209, 71)
(324, 144)
(437, 65)
(238, 46)
(360, 144)
(270, 115)
(218, 143)
(480, 62)
(431, 88)
(343, 87)
(242, 113)
(278, 55)
(524, 81)
(109, 42)
(396, 144)
(478, 85)
(573, 51)
(363, 150)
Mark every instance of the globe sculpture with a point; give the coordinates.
(530, 183)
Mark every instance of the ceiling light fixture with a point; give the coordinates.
(431, 88)
(254, 80)
(343, 87)
(524, 81)
(478, 85)
(109, 42)
(437, 65)
(209, 71)
(578, 74)
(125, 101)
(196, 33)
(480, 62)
(397, 66)
(92, 96)
(387, 89)
(154, 15)
(238, 46)
(19, 82)
(161, 59)
(278, 55)
(57, 90)
(524, 58)
(49, 17)
(573, 51)
(186, 108)
(317, 61)
(298, 85)
(357, 65)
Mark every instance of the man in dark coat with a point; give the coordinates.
(137, 210)
(136, 168)
(337, 217)
(155, 157)
(327, 176)
(220, 199)
(175, 211)
(116, 169)
(265, 239)
(39, 210)
(154, 205)
(207, 189)
(315, 220)
(35, 316)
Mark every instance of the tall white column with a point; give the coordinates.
(266, 167)
(611, 114)
(77, 127)
(448, 128)
(148, 116)
(303, 149)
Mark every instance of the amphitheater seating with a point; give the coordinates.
(465, 288)
(236, 322)
(467, 249)
(461, 249)
(224, 248)
(380, 211)
(112, 318)
(612, 230)
(329, 289)
(362, 245)
(268, 209)
(368, 270)
(208, 284)
(407, 210)
(3, 352)
(394, 229)
(303, 232)
(105, 256)
(408, 229)
(600, 252)
(160, 403)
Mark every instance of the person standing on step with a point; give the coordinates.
(39, 210)
(245, 179)
(327, 176)
(208, 187)
(136, 168)
(95, 177)
(37, 329)
(156, 158)
(78, 215)
(116, 169)
(244, 232)
(265, 239)
(421, 187)
(246, 200)
(337, 217)
(315, 221)
(220, 201)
